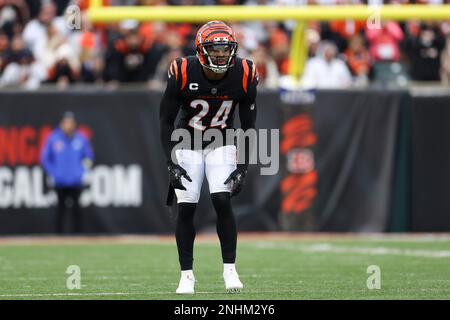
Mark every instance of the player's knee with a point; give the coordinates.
(186, 211)
(222, 202)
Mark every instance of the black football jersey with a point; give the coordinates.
(211, 104)
(203, 104)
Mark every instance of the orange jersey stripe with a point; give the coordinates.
(245, 76)
(183, 72)
(175, 67)
(254, 71)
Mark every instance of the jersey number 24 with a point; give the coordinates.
(220, 119)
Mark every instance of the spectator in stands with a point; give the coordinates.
(65, 69)
(313, 38)
(384, 42)
(326, 70)
(340, 32)
(85, 43)
(163, 40)
(37, 31)
(34, 7)
(246, 37)
(266, 66)
(66, 158)
(384, 48)
(4, 51)
(279, 48)
(423, 45)
(160, 76)
(50, 49)
(23, 71)
(92, 66)
(14, 14)
(136, 52)
(445, 63)
(128, 59)
(358, 59)
(17, 45)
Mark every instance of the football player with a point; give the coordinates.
(205, 90)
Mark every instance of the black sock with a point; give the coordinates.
(185, 234)
(226, 225)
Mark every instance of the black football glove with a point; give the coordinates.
(175, 174)
(237, 177)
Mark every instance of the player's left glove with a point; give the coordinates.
(175, 174)
(237, 177)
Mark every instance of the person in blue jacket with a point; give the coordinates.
(66, 159)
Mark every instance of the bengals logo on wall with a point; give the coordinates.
(300, 160)
(299, 187)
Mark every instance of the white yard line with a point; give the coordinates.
(326, 247)
(80, 294)
(30, 295)
(95, 294)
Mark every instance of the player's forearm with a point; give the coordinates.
(167, 114)
(248, 122)
(165, 135)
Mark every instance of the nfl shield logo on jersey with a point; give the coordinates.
(214, 90)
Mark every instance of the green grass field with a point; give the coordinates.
(324, 267)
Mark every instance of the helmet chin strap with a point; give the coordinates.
(216, 70)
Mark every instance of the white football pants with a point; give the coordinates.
(217, 164)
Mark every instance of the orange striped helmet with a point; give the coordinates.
(216, 46)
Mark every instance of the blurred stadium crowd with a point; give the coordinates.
(37, 47)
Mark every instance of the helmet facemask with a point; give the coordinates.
(217, 56)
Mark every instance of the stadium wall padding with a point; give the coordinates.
(368, 178)
(356, 158)
(430, 163)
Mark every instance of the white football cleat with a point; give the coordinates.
(186, 285)
(232, 282)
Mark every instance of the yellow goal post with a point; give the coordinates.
(301, 14)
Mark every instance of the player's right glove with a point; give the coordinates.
(175, 174)
(237, 178)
